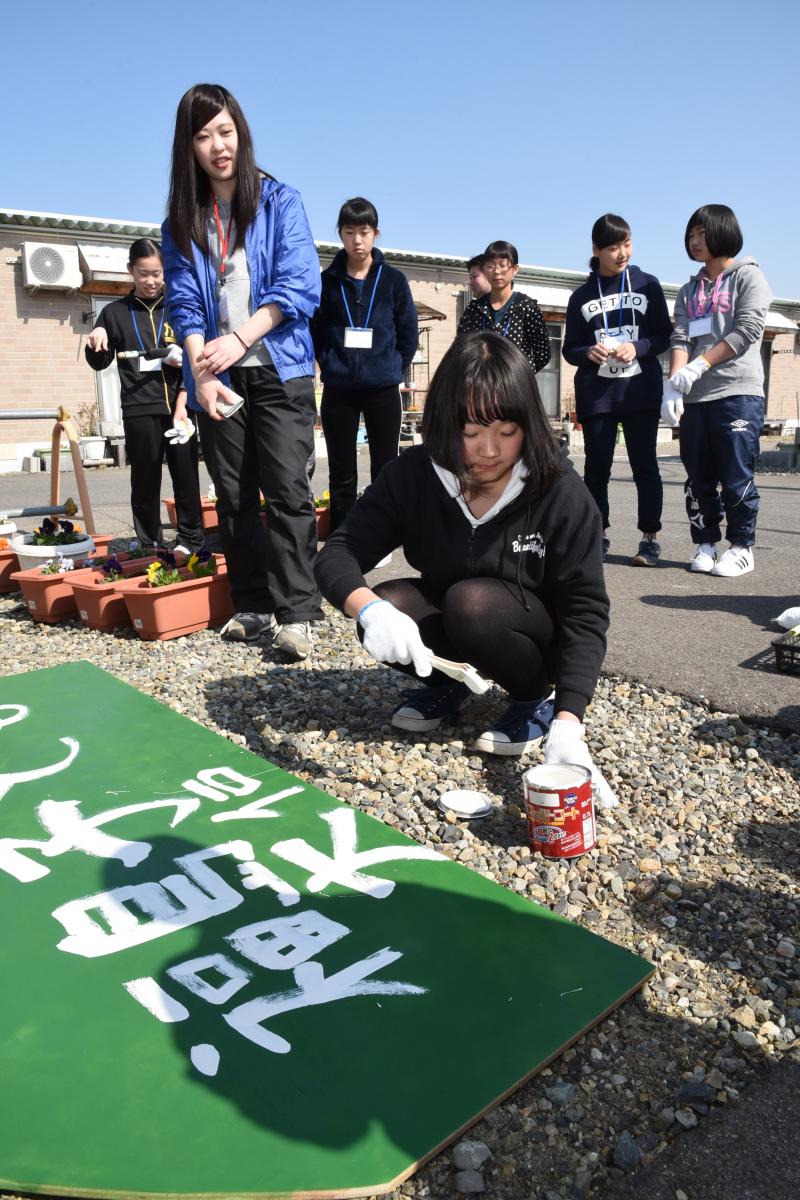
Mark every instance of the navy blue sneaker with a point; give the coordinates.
(426, 708)
(521, 727)
(648, 553)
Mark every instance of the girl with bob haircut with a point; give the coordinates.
(617, 324)
(153, 400)
(365, 336)
(504, 311)
(242, 284)
(506, 540)
(716, 389)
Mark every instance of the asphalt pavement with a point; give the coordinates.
(696, 635)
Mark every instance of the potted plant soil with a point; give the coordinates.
(171, 601)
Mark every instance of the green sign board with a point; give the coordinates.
(218, 980)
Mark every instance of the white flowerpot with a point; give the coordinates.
(7, 529)
(36, 556)
(93, 449)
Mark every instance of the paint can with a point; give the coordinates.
(560, 809)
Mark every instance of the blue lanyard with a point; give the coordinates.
(621, 294)
(491, 325)
(136, 329)
(369, 310)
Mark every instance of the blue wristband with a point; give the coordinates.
(369, 604)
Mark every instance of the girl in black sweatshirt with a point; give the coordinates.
(617, 325)
(153, 400)
(506, 540)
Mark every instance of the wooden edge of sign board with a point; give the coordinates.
(378, 1189)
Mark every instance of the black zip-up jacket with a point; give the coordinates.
(549, 545)
(526, 326)
(144, 393)
(644, 320)
(394, 324)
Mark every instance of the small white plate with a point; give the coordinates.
(465, 804)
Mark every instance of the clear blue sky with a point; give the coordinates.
(462, 121)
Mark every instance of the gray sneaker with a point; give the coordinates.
(648, 553)
(247, 627)
(294, 639)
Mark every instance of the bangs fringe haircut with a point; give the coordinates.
(357, 211)
(501, 249)
(723, 232)
(607, 231)
(190, 201)
(483, 377)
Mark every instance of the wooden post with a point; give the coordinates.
(64, 423)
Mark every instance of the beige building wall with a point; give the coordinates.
(42, 335)
(783, 394)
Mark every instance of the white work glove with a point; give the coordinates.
(174, 357)
(565, 744)
(685, 379)
(671, 406)
(391, 636)
(180, 433)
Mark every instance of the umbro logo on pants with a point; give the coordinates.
(739, 425)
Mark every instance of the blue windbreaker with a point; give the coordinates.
(284, 270)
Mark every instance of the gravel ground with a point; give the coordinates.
(697, 871)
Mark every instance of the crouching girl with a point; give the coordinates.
(507, 543)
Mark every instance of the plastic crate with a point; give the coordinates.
(787, 654)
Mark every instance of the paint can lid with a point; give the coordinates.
(465, 804)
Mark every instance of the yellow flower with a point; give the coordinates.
(152, 571)
(192, 563)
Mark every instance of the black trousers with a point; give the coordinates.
(267, 445)
(340, 411)
(639, 430)
(146, 448)
(483, 622)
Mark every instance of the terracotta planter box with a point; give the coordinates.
(100, 605)
(208, 512)
(49, 598)
(101, 543)
(186, 607)
(323, 523)
(9, 565)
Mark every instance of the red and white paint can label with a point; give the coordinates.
(560, 809)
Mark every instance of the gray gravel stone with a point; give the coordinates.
(560, 1093)
(627, 1154)
(469, 1183)
(470, 1156)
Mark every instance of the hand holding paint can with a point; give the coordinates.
(560, 809)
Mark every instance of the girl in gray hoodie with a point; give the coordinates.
(716, 389)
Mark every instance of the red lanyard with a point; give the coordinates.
(223, 239)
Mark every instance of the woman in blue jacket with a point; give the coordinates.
(365, 335)
(617, 325)
(242, 277)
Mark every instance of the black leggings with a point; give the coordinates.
(482, 622)
(340, 411)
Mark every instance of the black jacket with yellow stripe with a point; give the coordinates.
(144, 393)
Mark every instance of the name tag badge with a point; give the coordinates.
(222, 307)
(357, 339)
(149, 364)
(610, 340)
(700, 326)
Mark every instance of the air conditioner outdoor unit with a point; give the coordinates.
(48, 266)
